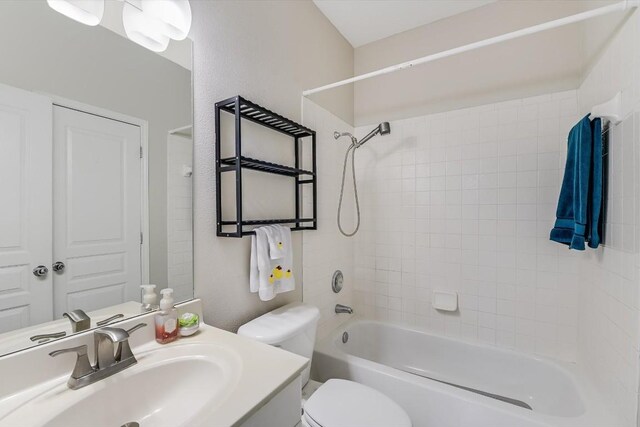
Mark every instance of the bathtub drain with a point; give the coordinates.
(345, 337)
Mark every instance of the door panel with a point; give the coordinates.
(25, 216)
(97, 210)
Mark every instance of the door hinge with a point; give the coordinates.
(141, 238)
(140, 151)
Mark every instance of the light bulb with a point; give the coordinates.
(174, 14)
(144, 29)
(88, 12)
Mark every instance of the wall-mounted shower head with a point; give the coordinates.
(383, 129)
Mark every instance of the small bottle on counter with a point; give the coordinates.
(149, 298)
(166, 319)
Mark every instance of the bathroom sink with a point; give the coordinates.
(174, 385)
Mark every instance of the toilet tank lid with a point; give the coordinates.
(280, 324)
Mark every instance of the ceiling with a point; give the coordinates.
(365, 21)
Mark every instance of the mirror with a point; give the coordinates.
(95, 173)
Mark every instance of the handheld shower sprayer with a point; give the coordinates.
(383, 129)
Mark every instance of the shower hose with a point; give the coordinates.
(352, 150)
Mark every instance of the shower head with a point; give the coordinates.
(383, 129)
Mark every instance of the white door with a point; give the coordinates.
(97, 211)
(25, 208)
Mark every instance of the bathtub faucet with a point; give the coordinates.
(343, 309)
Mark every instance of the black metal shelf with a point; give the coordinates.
(244, 109)
(261, 165)
(258, 114)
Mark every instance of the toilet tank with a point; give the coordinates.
(291, 327)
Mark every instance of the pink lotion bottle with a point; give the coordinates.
(166, 319)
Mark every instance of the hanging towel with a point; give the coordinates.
(577, 214)
(269, 277)
(254, 272)
(275, 235)
(281, 251)
(597, 184)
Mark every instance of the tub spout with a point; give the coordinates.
(343, 309)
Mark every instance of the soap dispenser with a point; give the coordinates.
(149, 298)
(166, 319)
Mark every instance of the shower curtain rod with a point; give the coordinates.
(615, 7)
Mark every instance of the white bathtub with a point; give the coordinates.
(396, 360)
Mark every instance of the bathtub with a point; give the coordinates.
(443, 382)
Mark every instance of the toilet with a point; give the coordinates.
(337, 402)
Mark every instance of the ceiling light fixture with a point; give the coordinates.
(144, 29)
(149, 23)
(174, 14)
(88, 12)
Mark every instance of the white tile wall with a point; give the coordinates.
(179, 217)
(609, 316)
(464, 201)
(326, 250)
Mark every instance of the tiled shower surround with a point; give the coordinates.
(464, 201)
(325, 250)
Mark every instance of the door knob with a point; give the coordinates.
(58, 266)
(40, 271)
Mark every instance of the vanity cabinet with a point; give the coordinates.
(283, 410)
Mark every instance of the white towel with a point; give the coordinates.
(275, 235)
(268, 276)
(282, 253)
(254, 273)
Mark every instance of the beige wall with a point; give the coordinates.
(550, 61)
(267, 52)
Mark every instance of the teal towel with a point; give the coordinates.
(579, 204)
(596, 186)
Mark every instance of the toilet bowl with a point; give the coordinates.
(342, 403)
(337, 402)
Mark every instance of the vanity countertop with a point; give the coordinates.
(266, 370)
(250, 375)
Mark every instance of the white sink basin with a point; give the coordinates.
(176, 385)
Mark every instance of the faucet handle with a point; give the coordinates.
(136, 327)
(124, 348)
(83, 366)
(108, 320)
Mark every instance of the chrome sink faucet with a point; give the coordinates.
(113, 354)
(343, 309)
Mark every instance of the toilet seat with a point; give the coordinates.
(342, 403)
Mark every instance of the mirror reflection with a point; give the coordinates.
(95, 173)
